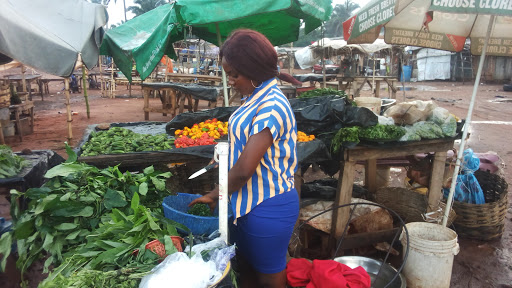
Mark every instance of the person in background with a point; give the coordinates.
(262, 161)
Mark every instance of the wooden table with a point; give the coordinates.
(43, 83)
(194, 78)
(125, 81)
(18, 110)
(173, 98)
(354, 85)
(370, 154)
(29, 78)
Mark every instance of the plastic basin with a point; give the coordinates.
(176, 207)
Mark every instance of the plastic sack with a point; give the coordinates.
(445, 120)
(467, 188)
(178, 270)
(204, 268)
(386, 120)
(410, 134)
(428, 130)
(408, 113)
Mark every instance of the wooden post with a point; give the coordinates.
(84, 83)
(101, 78)
(436, 181)
(68, 110)
(23, 81)
(343, 196)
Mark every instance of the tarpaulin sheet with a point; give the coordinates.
(314, 77)
(202, 92)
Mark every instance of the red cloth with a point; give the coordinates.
(325, 274)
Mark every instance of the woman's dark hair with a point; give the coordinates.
(251, 54)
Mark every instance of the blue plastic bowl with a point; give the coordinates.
(176, 207)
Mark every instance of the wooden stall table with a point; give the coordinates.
(18, 110)
(312, 77)
(175, 95)
(194, 78)
(43, 83)
(370, 154)
(29, 78)
(354, 85)
(288, 91)
(125, 81)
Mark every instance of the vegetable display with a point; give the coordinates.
(382, 132)
(303, 137)
(63, 212)
(204, 133)
(10, 163)
(117, 140)
(322, 92)
(200, 209)
(345, 135)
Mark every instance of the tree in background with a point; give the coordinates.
(332, 28)
(145, 6)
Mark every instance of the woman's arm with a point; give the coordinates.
(244, 168)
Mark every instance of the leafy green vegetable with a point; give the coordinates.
(382, 132)
(200, 209)
(428, 130)
(10, 163)
(344, 135)
(74, 201)
(322, 92)
(119, 140)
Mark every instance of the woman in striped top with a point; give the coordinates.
(262, 160)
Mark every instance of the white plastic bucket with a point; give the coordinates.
(372, 103)
(431, 251)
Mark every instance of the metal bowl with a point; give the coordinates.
(372, 266)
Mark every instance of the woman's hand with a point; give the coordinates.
(210, 199)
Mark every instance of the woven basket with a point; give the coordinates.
(484, 221)
(410, 205)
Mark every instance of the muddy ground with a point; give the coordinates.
(479, 263)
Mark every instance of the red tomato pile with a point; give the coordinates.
(203, 133)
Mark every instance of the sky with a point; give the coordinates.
(116, 15)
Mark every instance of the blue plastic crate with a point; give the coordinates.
(176, 207)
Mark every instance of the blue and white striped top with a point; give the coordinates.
(267, 107)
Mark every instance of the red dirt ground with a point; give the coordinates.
(479, 264)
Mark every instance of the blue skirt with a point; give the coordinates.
(262, 236)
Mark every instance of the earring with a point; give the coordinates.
(256, 86)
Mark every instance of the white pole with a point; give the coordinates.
(221, 155)
(460, 153)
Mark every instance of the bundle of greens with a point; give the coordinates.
(382, 132)
(322, 92)
(345, 135)
(10, 163)
(71, 204)
(119, 140)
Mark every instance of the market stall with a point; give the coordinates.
(174, 96)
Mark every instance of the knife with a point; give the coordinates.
(204, 170)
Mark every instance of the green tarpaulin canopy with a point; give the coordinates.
(146, 38)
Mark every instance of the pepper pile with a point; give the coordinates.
(303, 137)
(203, 133)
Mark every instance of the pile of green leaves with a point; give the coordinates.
(322, 92)
(67, 208)
(345, 135)
(200, 209)
(111, 246)
(119, 140)
(123, 278)
(10, 163)
(382, 132)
